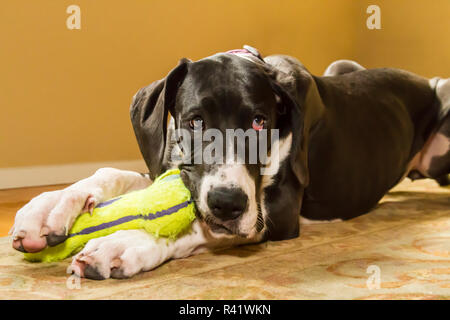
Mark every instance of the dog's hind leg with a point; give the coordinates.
(340, 67)
(433, 161)
(437, 154)
(443, 180)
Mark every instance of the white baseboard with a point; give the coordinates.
(16, 177)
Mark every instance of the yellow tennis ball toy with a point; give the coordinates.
(164, 209)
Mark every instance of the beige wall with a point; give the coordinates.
(64, 95)
(415, 35)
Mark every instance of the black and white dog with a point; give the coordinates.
(344, 140)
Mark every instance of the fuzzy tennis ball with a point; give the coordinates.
(164, 209)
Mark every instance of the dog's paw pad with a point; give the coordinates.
(91, 272)
(54, 239)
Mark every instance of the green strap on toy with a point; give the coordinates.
(164, 209)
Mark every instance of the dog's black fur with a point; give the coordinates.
(353, 135)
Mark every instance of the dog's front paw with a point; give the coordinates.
(46, 219)
(119, 255)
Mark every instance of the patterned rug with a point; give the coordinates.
(401, 250)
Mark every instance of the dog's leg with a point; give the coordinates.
(47, 218)
(443, 180)
(433, 161)
(340, 67)
(128, 252)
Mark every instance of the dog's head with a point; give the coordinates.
(214, 102)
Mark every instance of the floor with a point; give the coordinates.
(401, 250)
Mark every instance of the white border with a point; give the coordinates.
(15, 177)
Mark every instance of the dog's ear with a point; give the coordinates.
(149, 116)
(293, 93)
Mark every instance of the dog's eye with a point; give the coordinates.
(258, 123)
(196, 123)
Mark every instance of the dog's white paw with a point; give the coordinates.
(120, 255)
(46, 219)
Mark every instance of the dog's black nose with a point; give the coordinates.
(227, 203)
